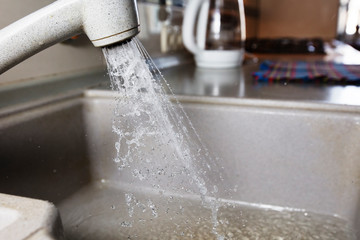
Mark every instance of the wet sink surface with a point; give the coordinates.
(102, 212)
(300, 160)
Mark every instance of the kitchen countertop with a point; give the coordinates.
(187, 79)
(239, 83)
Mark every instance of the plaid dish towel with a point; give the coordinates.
(301, 71)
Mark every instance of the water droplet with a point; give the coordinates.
(126, 224)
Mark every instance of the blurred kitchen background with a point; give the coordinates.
(269, 23)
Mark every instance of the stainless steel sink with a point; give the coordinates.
(296, 168)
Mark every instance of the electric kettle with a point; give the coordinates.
(219, 38)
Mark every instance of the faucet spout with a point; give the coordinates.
(105, 22)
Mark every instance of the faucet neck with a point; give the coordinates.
(104, 21)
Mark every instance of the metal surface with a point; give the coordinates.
(285, 154)
(239, 83)
(184, 80)
(105, 22)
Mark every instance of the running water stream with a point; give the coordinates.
(157, 143)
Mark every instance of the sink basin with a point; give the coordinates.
(295, 167)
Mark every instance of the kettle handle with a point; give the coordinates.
(189, 23)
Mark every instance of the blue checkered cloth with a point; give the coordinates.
(302, 71)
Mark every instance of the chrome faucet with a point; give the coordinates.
(105, 22)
